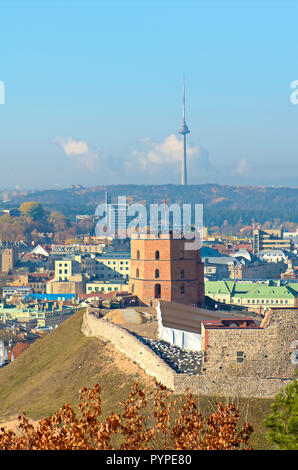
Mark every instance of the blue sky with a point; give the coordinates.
(93, 92)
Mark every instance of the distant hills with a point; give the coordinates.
(221, 202)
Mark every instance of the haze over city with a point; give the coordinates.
(93, 93)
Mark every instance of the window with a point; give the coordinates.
(137, 272)
(182, 274)
(138, 254)
(157, 254)
(240, 356)
(157, 291)
(182, 289)
(156, 273)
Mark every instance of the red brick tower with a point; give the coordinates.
(161, 268)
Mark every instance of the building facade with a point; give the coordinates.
(270, 240)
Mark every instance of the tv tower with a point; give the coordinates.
(184, 130)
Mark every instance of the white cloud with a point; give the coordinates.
(243, 167)
(71, 146)
(147, 161)
(79, 149)
(153, 156)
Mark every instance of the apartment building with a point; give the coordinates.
(65, 268)
(113, 266)
(106, 286)
(255, 296)
(270, 240)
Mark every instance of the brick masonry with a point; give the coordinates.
(165, 264)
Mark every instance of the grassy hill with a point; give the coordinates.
(53, 369)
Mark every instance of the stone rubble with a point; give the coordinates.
(181, 361)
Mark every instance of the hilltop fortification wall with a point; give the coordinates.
(211, 382)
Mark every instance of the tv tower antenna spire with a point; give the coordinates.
(184, 130)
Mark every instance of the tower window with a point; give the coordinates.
(137, 272)
(156, 273)
(157, 254)
(182, 274)
(138, 254)
(182, 289)
(157, 291)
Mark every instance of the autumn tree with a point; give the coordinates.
(164, 424)
(33, 209)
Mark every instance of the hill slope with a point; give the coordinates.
(220, 201)
(53, 369)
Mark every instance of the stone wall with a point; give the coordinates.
(256, 352)
(134, 349)
(213, 381)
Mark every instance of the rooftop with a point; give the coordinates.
(230, 323)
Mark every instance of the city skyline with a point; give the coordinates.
(93, 93)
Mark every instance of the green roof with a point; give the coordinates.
(252, 290)
(219, 287)
(269, 292)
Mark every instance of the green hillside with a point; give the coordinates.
(53, 369)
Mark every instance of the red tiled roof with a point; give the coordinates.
(101, 295)
(18, 349)
(230, 323)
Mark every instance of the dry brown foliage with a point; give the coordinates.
(172, 425)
